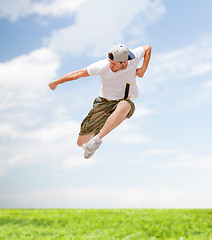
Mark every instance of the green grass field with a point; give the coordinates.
(105, 224)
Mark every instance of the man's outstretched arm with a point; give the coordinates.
(140, 71)
(69, 77)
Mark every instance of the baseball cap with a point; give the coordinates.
(121, 53)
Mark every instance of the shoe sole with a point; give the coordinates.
(86, 152)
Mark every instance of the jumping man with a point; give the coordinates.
(118, 77)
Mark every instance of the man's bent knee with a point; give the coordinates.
(83, 139)
(124, 107)
(79, 142)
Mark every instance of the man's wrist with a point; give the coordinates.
(143, 68)
(56, 81)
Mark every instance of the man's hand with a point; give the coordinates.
(140, 72)
(52, 85)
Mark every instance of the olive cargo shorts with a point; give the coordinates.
(96, 118)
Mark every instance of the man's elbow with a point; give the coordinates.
(82, 73)
(149, 48)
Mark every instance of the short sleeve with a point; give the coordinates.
(95, 68)
(139, 52)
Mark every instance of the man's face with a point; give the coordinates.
(115, 66)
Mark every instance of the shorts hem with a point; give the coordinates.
(93, 122)
(87, 133)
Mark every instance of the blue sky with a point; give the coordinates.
(160, 158)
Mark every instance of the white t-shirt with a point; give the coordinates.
(114, 83)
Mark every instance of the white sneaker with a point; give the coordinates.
(91, 146)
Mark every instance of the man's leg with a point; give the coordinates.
(115, 118)
(91, 143)
(83, 139)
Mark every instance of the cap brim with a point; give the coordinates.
(131, 56)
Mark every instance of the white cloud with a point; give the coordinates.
(93, 36)
(77, 161)
(57, 8)
(27, 135)
(188, 161)
(54, 131)
(133, 138)
(204, 93)
(159, 152)
(187, 156)
(208, 85)
(180, 79)
(181, 64)
(15, 9)
(200, 68)
(39, 144)
(127, 133)
(177, 159)
(26, 77)
(95, 197)
(7, 130)
(142, 112)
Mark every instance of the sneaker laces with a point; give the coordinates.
(95, 143)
